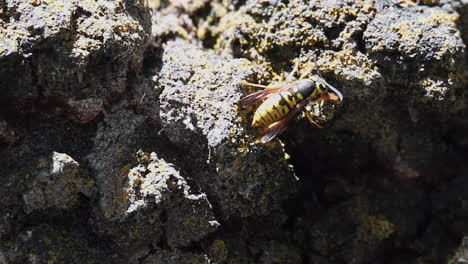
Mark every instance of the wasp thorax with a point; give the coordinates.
(305, 87)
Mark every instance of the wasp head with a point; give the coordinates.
(322, 83)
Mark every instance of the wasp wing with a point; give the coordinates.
(278, 127)
(263, 94)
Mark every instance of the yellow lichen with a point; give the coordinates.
(53, 256)
(218, 251)
(376, 227)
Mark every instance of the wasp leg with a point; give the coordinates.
(304, 75)
(321, 100)
(293, 72)
(312, 120)
(261, 86)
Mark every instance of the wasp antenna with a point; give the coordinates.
(293, 72)
(311, 120)
(336, 91)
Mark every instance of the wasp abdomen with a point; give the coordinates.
(276, 107)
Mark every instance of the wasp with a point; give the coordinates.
(281, 103)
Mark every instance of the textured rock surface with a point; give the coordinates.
(62, 54)
(58, 183)
(46, 244)
(199, 110)
(118, 147)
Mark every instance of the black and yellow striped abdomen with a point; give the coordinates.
(283, 102)
(277, 106)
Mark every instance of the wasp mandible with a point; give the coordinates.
(283, 102)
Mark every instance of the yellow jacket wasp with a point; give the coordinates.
(283, 102)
